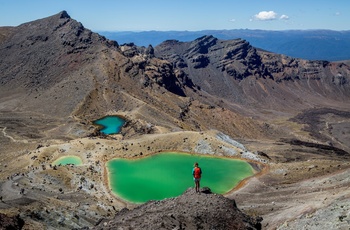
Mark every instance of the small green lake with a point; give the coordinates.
(169, 174)
(110, 124)
(74, 160)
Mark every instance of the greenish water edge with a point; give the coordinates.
(169, 174)
(65, 160)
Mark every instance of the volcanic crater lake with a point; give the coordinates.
(74, 160)
(110, 124)
(169, 174)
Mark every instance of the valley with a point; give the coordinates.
(288, 116)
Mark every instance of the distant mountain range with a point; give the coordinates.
(307, 44)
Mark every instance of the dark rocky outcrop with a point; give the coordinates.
(327, 150)
(188, 211)
(10, 222)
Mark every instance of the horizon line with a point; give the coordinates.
(138, 31)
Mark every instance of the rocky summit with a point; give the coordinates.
(191, 210)
(288, 117)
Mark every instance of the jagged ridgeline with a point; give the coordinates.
(57, 60)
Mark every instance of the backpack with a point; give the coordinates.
(197, 172)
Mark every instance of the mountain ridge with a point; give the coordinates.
(306, 44)
(237, 62)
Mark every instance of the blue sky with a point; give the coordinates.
(140, 15)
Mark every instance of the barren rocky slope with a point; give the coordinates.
(188, 211)
(225, 98)
(236, 71)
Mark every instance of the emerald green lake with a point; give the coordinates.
(110, 124)
(169, 174)
(68, 160)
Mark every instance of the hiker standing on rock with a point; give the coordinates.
(197, 173)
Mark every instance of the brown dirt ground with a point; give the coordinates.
(294, 184)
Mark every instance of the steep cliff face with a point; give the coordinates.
(236, 71)
(318, 77)
(153, 70)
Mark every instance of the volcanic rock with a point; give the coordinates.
(191, 210)
(238, 72)
(7, 222)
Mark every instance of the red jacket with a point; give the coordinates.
(197, 172)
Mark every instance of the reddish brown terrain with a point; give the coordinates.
(290, 117)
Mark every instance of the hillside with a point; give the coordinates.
(239, 73)
(289, 117)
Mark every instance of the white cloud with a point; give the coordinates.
(284, 17)
(265, 15)
(337, 14)
(232, 20)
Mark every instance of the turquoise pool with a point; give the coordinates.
(110, 124)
